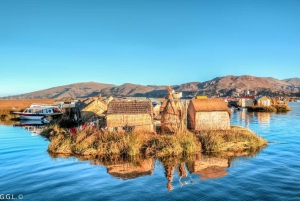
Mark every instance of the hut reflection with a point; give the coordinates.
(126, 168)
(169, 171)
(182, 173)
(244, 118)
(118, 167)
(178, 171)
(209, 167)
(130, 170)
(198, 164)
(264, 118)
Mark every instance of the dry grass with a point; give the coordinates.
(282, 108)
(273, 108)
(22, 103)
(236, 139)
(94, 142)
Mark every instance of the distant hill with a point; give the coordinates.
(79, 90)
(234, 85)
(219, 86)
(293, 81)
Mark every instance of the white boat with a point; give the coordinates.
(40, 111)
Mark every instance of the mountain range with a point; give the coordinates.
(220, 86)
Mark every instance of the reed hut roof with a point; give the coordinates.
(132, 107)
(208, 105)
(163, 105)
(261, 98)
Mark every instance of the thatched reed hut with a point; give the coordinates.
(171, 116)
(173, 112)
(94, 109)
(262, 101)
(246, 101)
(135, 115)
(208, 114)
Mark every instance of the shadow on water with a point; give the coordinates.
(35, 127)
(187, 170)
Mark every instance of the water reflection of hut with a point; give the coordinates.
(208, 114)
(181, 170)
(264, 118)
(169, 171)
(132, 170)
(209, 167)
(137, 115)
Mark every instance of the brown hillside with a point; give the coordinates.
(127, 89)
(231, 85)
(223, 86)
(79, 90)
(293, 81)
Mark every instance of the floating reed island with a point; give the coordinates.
(264, 104)
(93, 141)
(199, 125)
(271, 108)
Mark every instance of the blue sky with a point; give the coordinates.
(159, 42)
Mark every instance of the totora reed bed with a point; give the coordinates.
(95, 142)
(272, 108)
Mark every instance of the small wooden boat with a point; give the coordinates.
(40, 111)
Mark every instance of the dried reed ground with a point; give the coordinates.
(92, 141)
(236, 139)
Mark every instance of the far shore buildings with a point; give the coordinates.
(246, 101)
(262, 101)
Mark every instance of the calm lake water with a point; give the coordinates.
(27, 171)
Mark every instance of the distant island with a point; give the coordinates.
(220, 86)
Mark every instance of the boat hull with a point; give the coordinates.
(31, 117)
